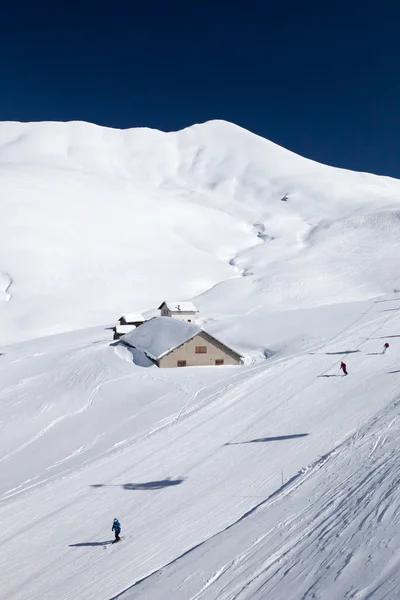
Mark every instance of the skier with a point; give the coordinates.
(117, 530)
(343, 366)
(385, 348)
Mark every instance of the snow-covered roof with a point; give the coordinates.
(179, 306)
(123, 329)
(132, 317)
(160, 335)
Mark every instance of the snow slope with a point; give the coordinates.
(97, 222)
(181, 455)
(274, 479)
(330, 532)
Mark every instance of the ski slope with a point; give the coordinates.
(330, 532)
(275, 479)
(180, 456)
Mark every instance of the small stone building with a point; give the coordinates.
(178, 343)
(184, 311)
(127, 323)
(120, 330)
(135, 319)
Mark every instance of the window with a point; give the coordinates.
(181, 363)
(219, 361)
(201, 350)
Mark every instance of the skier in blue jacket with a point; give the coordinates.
(117, 529)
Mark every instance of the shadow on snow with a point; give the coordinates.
(332, 375)
(278, 438)
(383, 337)
(336, 353)
(344, 352)
(91, 544)
(148, 485)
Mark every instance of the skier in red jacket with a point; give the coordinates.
(343, 366)
(385, 348)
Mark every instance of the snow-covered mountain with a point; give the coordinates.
(98, 221)
(276, 479)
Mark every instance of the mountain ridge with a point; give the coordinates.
(99, 221)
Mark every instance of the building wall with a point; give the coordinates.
(215, 351)
(135, 323)
(182, 315)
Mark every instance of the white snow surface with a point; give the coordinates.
(160, 335)
(277, 479)
(207, 225)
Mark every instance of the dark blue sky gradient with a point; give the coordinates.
(322, 80)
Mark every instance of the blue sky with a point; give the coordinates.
(320, 79)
